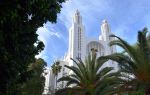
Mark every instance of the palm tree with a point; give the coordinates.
(134, 62)
(88, 78)
(56, 68)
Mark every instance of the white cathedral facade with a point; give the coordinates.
(79, 47)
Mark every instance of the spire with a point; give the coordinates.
(104, 21)
(105, 26)
(77, 12)
(105, 30)
(76, 37)
(77, 18)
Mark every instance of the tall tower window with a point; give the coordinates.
(79, 42)
(78, 19)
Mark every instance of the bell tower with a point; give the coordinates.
(77, 37)
(105, 33)
(105, 30)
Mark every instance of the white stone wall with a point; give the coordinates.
(49, 81)
(64, 71)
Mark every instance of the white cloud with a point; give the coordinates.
(45, 35)
(44, 32)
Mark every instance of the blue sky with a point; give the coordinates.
(125, 18)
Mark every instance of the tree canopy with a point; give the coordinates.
(19, 20)
(35, 85)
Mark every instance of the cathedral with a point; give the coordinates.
(79, 47)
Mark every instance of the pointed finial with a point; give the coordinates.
(77, 12)
(104, 21)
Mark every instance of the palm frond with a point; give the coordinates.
(90, 74)
(76, 71)
(103, 72)
(80, 66)
(128, 48)
(99, 63)
(70, 91)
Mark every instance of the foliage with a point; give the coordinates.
(19, 20)
(56, 68)
(35, 85)
(137, 93)
(89, 78)
(134, 62)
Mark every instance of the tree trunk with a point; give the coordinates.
(56, 82)
(87, 93)
(148, 91)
